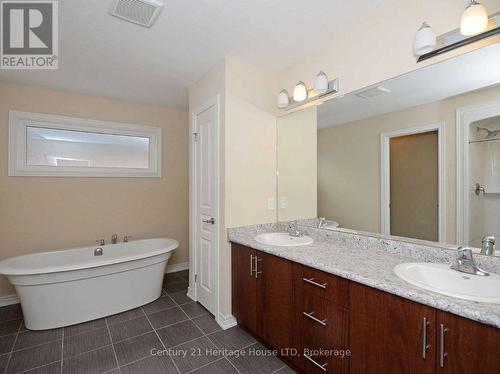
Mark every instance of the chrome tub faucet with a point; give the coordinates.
(465, 263)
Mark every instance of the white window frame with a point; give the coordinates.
(19, 121)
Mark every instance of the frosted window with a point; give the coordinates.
(69, 148)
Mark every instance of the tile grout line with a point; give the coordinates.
(62, 350)
(161, 341)
(112, 346)
(37, 367)
(12, 349)
(211, 341)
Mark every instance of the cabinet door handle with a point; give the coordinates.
(425, 346)
(320, 321)
(257, 272)
(311, 281)
(251, 265)
(442, 353)
(322, 367)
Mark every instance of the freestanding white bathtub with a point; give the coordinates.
(62, 288)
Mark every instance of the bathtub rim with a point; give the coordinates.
(7, 270)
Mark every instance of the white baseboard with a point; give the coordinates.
(8, 300)
(190, 294)
(177, 267)
(226, 322)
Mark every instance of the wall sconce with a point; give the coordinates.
(425, 40)
(474, 19)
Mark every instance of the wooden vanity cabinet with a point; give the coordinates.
(289, 305)
(262, 295)
(387, 335)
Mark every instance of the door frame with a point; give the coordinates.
(385, 178)
(465, 116)
(193, 202)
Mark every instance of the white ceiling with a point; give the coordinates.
(102, 55)
(465, 73)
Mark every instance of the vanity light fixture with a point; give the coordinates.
(474, 27)
(474, 19)
(300, 91)
(321, 83)
(425, 40)
(283, 99)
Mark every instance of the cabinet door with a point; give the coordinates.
(275, 300)
(465, 346)
(244, 285)
(387, 333)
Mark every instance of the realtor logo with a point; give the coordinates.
(29, 37)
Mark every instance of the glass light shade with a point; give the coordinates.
(283, 99)
(474, 19)
(321, 83)
(300, 91)
(425, 40)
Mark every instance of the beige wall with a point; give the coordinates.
(381, 47)
(248, 153)
(349, 161)
(297, 158)
(42, 213)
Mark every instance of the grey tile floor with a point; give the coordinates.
(182, 331)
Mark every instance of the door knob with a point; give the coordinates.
(211, 220)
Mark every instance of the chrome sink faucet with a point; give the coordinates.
(114, 239)
(488, 245)
(293, 229)
(321, 222)
(465, 263)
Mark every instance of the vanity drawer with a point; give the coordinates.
(325, 334)
(319, 283)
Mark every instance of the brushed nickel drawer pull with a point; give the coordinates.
(310, 315)
(257, 272)
(311, 281)
(425, 346)
(442, 353)
(322, 367)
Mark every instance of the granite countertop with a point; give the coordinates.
(370, 261)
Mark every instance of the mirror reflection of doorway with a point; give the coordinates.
(414, 186)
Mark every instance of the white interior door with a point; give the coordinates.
(206, 133)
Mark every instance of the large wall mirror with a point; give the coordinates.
(416, 156)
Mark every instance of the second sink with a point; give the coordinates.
(283, 239)
(441, 279)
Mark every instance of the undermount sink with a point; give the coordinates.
(441, 279)
(283, 239)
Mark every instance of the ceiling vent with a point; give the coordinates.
(140, 12)
(373, 92)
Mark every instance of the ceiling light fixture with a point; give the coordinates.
(425, 40)
(300, 91)
(474, 19)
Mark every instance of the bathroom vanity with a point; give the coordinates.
(339, 295)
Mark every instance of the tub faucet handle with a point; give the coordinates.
(114, 239)
(101, 242)
(127, 238)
